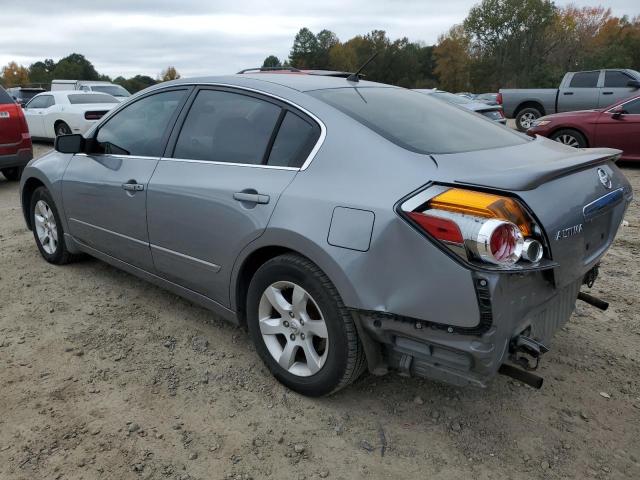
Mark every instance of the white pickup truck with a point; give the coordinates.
(577, 91)
(92, 86)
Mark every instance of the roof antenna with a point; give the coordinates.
(355, 77)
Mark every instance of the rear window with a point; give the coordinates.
(5, 97)
(84, 98)
(417, 122)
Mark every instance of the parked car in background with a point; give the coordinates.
(488, 98)
(346, 227)
(56, 113)
(468, 95)
(489, 111)
(577, 91)
(15, 142)
(23, 94)
(616, 126)
(109, 88)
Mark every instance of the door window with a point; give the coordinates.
(139, 128)
(296, 137)
(43, 101)
(585, 80)
(633, 107)
(616, 79)
(227, 127)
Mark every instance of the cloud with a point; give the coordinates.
(129, 37)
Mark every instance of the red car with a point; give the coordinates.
(616, 126)
(15, 141)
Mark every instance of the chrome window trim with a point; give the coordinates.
(610, 110)
(138, 157)
(251, 165)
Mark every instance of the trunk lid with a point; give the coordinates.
(578, 196)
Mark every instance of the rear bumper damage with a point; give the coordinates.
(519, 315)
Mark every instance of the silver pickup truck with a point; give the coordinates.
(577, 91)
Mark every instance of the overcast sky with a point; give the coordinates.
(128, 37)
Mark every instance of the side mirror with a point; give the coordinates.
(617, 112)
(69, 143)
(633, 83)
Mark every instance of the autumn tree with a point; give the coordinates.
(453, 60)
(14, 75)
(169, 73)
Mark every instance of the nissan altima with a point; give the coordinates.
(349, 225)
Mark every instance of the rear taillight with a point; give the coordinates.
(500, 113)
(94, 115)
(478, 226)
(499, 98)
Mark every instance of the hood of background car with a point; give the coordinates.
(567, 115)
(479, 106)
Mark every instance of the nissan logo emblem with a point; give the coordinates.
(605, 179)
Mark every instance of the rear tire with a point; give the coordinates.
(570, 137)
(12, 174)
(301, 329)
(525, 117)
(62, 129)
(47, 228)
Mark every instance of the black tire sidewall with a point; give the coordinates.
(60, 125)
(522, 112)
(42, 193)
(329, 377)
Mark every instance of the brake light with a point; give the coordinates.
(479, 226)
(93, 115)
(499, 98)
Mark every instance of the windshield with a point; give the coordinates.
(417, 122)
(83, 98)
(115, 90)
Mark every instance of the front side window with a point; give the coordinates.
(296, 137)
(43, 101)
(139, 128)
(227, 127)
(418, 122)
(616, 79)
(585, 80)
(633, 107)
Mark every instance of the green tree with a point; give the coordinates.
(305, 48)
(75, 67)
(271, 62)
(326, 40)
(42, 72)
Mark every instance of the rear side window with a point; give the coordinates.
(418, 122)
(5, 97)
(79, 98)
(616, 79)
(585, 80)
(296, 137)
(139, 128)
(227, 127)
(42, 101)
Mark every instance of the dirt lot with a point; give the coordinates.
(105, 376)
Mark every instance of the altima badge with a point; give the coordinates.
(605, 180)
(568, 232)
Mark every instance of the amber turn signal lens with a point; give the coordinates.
(484, 205)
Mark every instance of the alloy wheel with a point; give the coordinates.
(46, 227)
(526, 120)
(569, 140)
(293, 328)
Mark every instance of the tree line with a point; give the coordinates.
(74, 67)
(500, 44)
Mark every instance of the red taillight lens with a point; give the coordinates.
(93, 115)
(505, 243)
(441, 228)
(499, 99)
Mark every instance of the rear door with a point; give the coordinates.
(217, 187)
(582, 92)
(622, 131)
(615, 87)
(105, 190)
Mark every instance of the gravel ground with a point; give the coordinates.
(105, 376)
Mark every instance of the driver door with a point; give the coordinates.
(34, 113)
(105, 190)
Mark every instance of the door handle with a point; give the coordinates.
(251, 197)
(133, 187)
(568, 93)
(607, 93)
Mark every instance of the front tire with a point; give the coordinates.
(525, 118)
(47, 228)
(12, 174)
(570, 137)
(301, 329)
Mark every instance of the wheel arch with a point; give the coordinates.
(270, 246)
(529, 104)
(30, 186)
